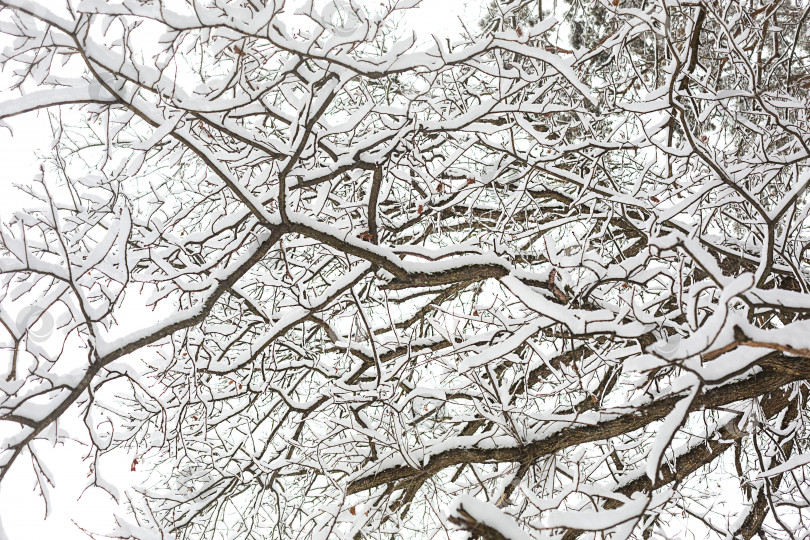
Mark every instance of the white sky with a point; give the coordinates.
(17, 159)
(22, 510)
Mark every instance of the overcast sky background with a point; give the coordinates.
(22, 508)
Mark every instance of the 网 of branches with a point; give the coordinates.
(545, 279)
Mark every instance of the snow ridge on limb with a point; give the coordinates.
(484, 519)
